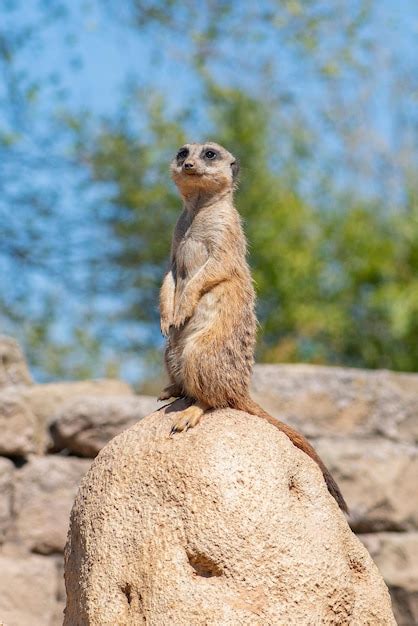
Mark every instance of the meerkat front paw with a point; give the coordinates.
(183, 311)
(189, 418)
(180, 317)
(179, 320)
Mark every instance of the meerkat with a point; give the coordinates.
(207, 299)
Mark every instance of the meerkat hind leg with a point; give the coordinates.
(189, 418)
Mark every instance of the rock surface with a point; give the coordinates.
(337, 401)
(6, 495)
(396, 555)
(26, 412)
(378, 479)
(27, 591)
(13, 367)
(46, 401)
(44, 493)
(87, 424)
(225, 524)
(21, 432)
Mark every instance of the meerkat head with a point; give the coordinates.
(206, 168)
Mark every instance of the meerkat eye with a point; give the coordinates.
(182, 154)
(210, 154)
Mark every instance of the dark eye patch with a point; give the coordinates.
(210, 154)
(182, 154)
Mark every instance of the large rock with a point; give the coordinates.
(87, 424)
(338, 401)
(46, 401)
(13, 368)
(44, 492)
(26, 413)
(27, 591)
(396, 555)
(21, 430)
(378, 479)
(225, 524)
(6, 495)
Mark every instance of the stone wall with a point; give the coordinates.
(364, 424)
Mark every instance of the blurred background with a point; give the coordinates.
(317, 99)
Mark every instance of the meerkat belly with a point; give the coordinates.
(216, 346)
(184, 342)
(205, 320)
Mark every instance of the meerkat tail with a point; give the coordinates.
(298, 440)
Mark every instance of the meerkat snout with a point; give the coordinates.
(188, 165)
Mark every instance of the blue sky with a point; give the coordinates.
(95, 56)
(95, 52)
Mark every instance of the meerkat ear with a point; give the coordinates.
(235, 169)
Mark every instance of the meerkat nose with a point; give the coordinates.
(189, 165)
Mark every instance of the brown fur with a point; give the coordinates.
(207, 298)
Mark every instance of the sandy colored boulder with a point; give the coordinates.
(46, 401)
(6, 494)
(13, 367)
(225, 524)
(396, 555)
(44, 492)
(26, 412)
(338, 401)
(21, 432)
(87, 424)
(27, 591)
(379, 481)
